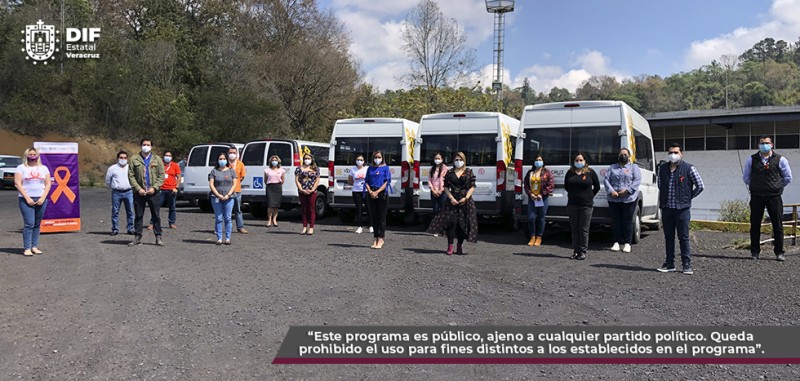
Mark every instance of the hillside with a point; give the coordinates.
(95, 154)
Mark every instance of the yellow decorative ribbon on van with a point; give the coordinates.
(507, 146)
(412, 141)
(631, 140)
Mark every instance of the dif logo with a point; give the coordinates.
(41, 42)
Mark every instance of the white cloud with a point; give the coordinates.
(584, 66)
(376, 29)
(782, 22)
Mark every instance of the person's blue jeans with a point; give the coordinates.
(222, 213)
(125, 198)
(676, 220)
(237, 210)
(32, 216)
(437, 203)
(536, 216)
(169, 200)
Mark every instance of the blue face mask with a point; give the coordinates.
(167, 159)
(765, 147)
(580, 165)
(222, 163)
(538, 163)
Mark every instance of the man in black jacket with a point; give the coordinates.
(766, 174)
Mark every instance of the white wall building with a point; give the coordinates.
(717, 142)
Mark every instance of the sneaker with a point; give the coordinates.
(137, 241)
(371, 230)
(581, 256)
(688, 270)
(227, 242)
(754, 256)
(113, 233)
(359, 230)
(615, 247)
(131, 232)
(665, 268)
(574, 256)
(159, 241)
(626, 248)
(243, 231)
(219, 242)
(780, 258)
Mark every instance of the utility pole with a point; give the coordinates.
(499, 8)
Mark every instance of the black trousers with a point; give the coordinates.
(456, 231)
(360, 200)
(774, 205)
(139, 203)
(377, 209)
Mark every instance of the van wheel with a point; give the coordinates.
(321, 205)
(205, 205)
(637, 225)
(258, 210)
(411, 218)
(656, 226)
(347, 216)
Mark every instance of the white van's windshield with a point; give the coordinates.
(348, 148)
(480, 149)
(558, 145)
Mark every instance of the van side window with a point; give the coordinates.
(254, 154)
(391, 149)
(480, 149)
(215, 152)
(600, 144)
(348, 148)
(644, 155)
(198, 157)
(320, 155)
(283, 150)
(552, 143)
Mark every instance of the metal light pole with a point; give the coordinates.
(499, 8)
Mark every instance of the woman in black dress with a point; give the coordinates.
(459, 218)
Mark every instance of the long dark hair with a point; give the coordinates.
(313, 161)
(435, 166)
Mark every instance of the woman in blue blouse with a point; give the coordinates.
(622, 187)
(378, 179)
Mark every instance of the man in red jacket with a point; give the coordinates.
(169, 191)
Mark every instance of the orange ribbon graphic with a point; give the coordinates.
(62, 187)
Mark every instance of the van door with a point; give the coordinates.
(253, 158)
(196, 174)
(284, 151)
(644, 157)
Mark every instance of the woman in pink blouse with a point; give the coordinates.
(274, 175)
(436, 182)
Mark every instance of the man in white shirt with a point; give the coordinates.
(121, 193)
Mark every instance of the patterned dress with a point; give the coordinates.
(464, 215)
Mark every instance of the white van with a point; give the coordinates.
(202, 158)
(599, 129)
(254, 157)
(488, 140)
(396, 138)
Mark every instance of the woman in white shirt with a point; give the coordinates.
(33, 183)
(356, 180)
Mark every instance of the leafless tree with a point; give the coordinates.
(436, 46)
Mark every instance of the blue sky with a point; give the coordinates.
(562, 43)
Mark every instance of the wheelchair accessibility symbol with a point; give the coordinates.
(258, 183)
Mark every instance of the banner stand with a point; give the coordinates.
(63, 211)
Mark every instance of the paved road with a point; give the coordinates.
(93, 308)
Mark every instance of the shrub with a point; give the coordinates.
(734, 211)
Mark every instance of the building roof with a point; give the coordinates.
(724, 116)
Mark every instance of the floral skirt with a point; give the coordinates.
(464, 216)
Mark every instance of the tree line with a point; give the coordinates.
(190, 71)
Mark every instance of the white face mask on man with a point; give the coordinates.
(232, 156)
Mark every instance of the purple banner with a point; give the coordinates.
(63, 212)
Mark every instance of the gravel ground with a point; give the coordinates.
(93, 308)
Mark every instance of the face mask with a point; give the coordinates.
(122, 162)
(222, 163)
(538, 163)
(580, 165)
(378, 161)
(458, 163)
(307, 161)
(765, 147)
(674, 157)
(623, 158)
(274, 163)
(32, 158)
(232, 156)
(438, 161)
(359, 162)
(146, 149)
(167, 159)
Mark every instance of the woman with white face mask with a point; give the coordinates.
(356, 179)
(436, 182)
(581, 184)
(306, 177)
(275, 176)
(377, 184)
(459, 218)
